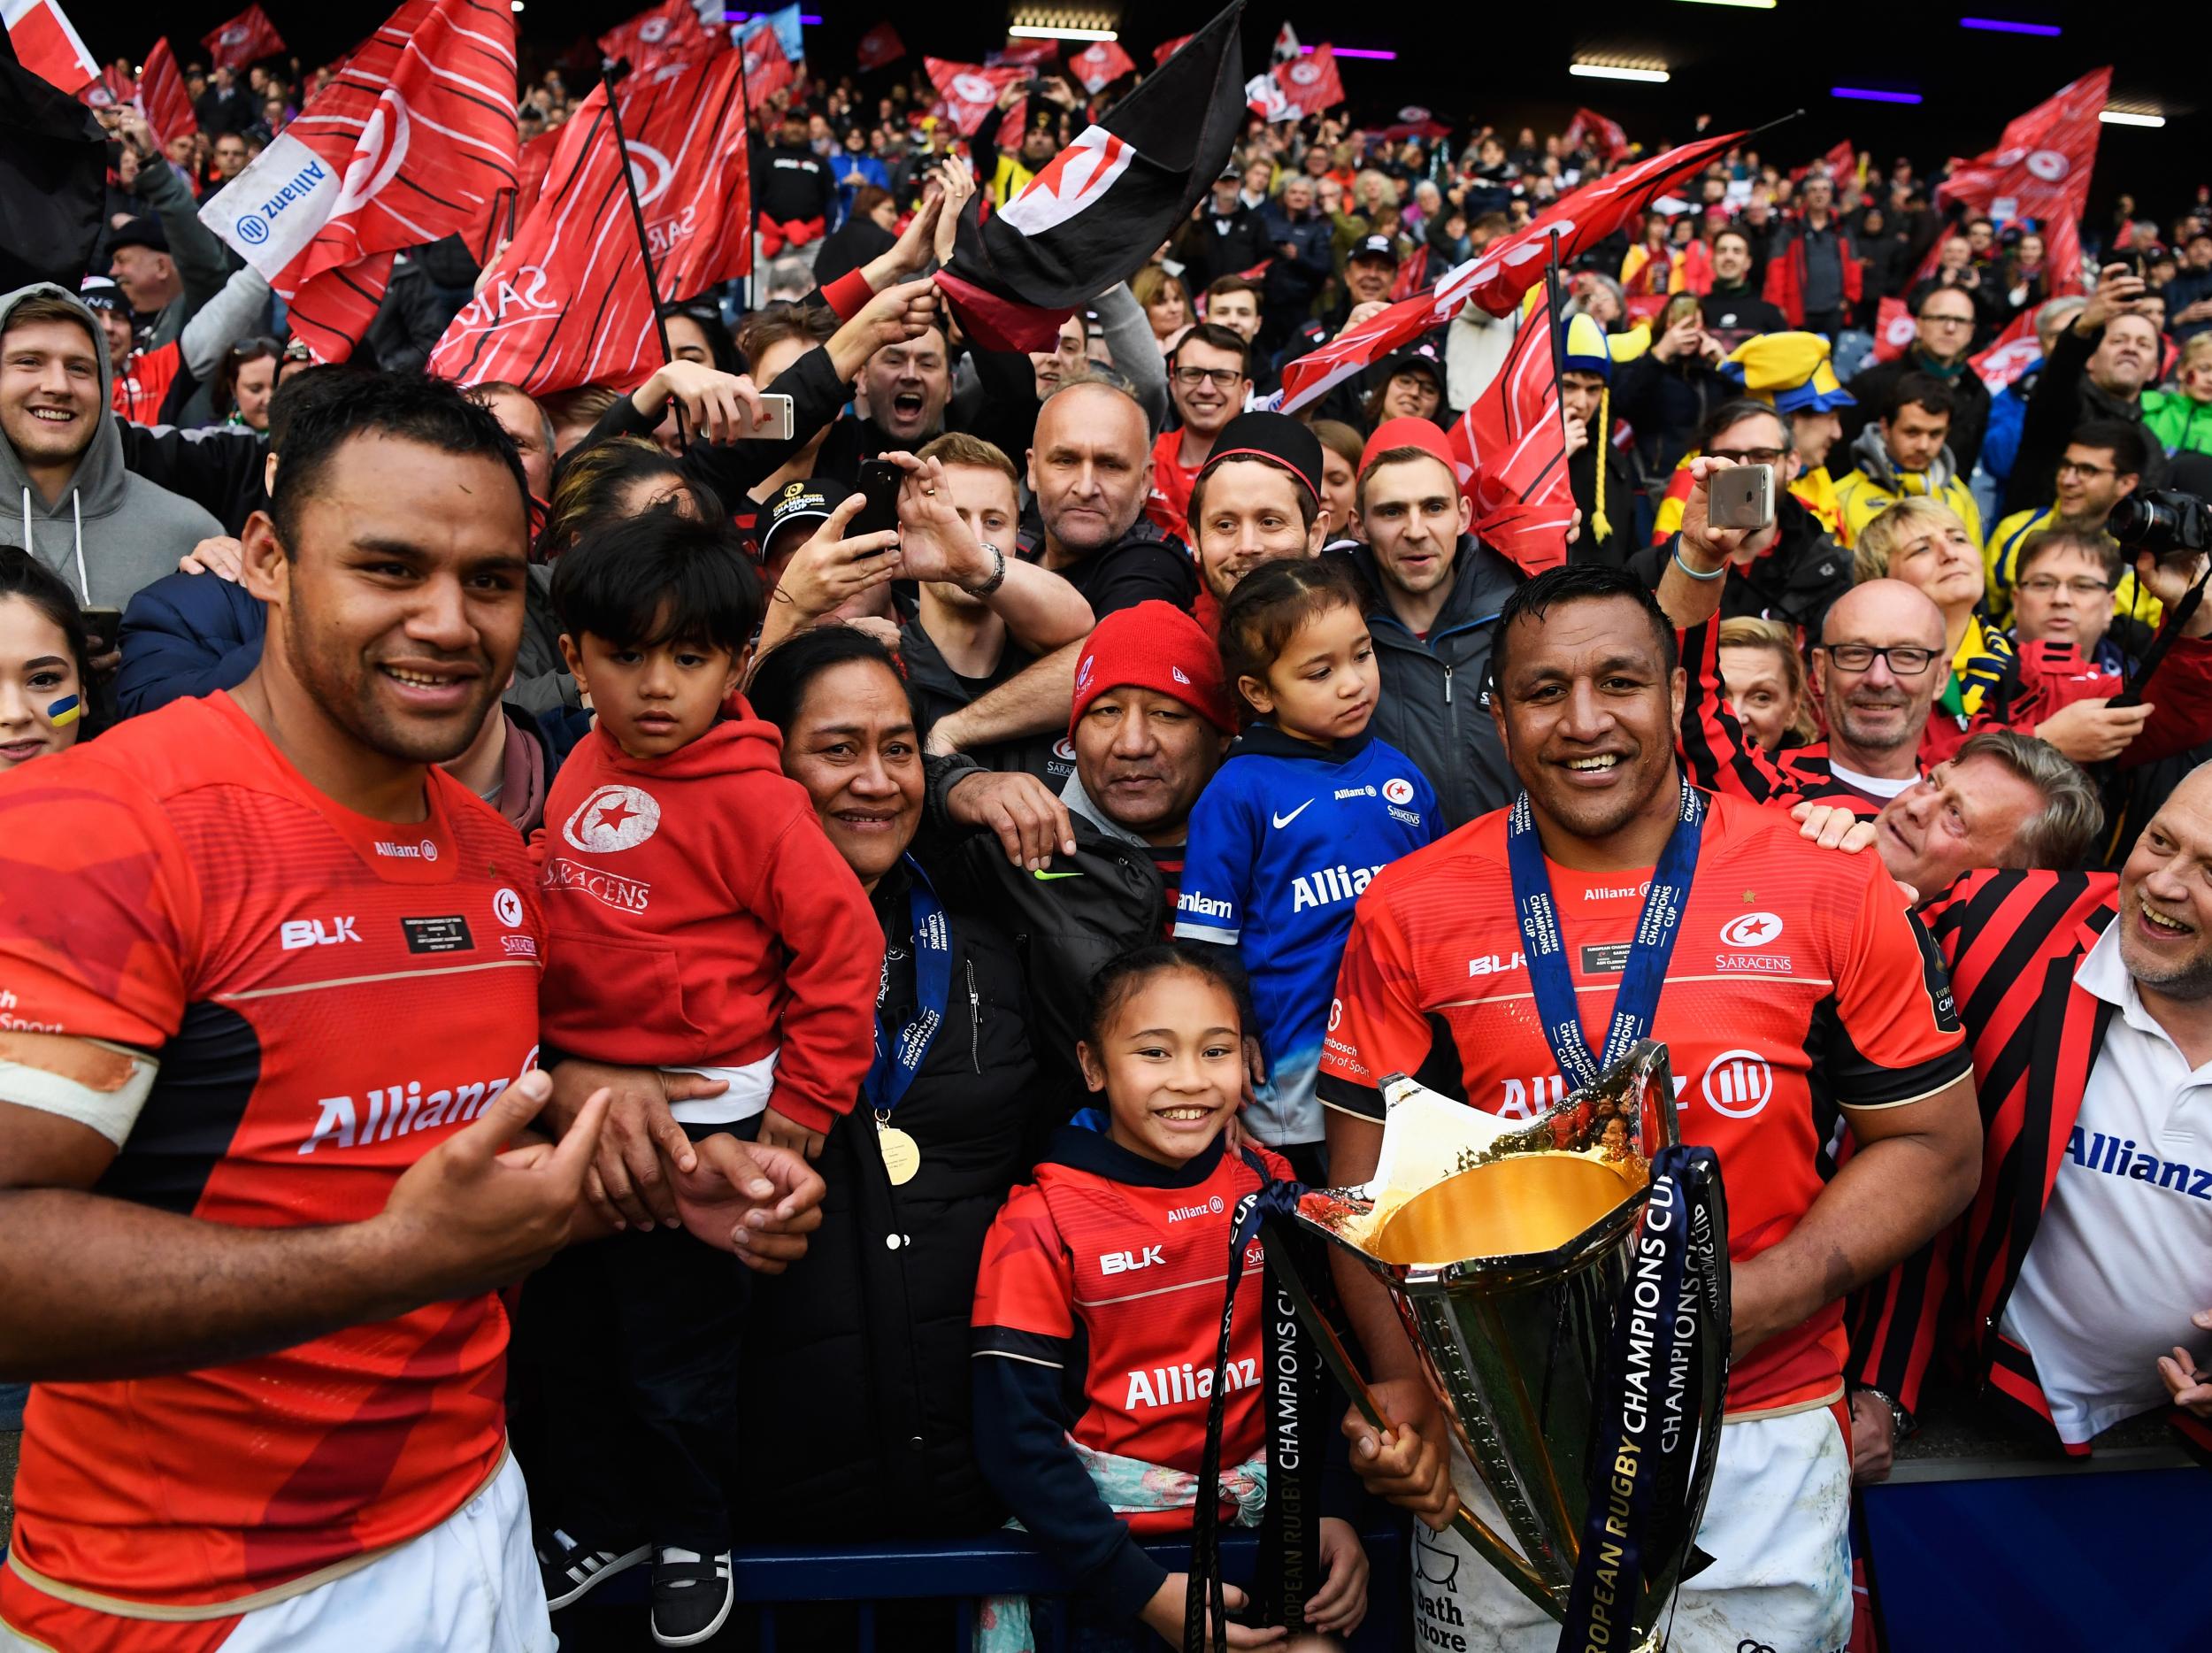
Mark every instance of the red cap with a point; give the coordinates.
(1406, 433)
(1153, 645)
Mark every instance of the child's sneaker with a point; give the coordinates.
(571, 1571)
(692, 1596)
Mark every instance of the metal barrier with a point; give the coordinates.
(874, 1579)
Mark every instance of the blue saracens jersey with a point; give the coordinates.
(1282, 841)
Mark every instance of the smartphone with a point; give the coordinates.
(1741, 496)
(777, 421)
(879, 486)
(103, 628)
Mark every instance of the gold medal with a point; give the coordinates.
(902, 1154)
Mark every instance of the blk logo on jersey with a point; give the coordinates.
(1129, 1262)
(316, 933)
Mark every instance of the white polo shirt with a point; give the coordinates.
(2124, 1255)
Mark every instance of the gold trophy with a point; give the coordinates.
(1527, 1262)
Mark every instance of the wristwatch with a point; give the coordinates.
(1902, 1423)
(997, 575)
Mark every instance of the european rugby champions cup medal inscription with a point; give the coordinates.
(899, 1053)
(1564, 1283)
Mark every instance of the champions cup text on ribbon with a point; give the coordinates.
(1650, 1452)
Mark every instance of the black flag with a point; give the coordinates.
(53, 178)
(1102, 205)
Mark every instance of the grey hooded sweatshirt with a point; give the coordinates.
(110, 532)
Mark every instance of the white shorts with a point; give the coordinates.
(1777, 1526)
(469, 1585)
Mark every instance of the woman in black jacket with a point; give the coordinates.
(858, 1359)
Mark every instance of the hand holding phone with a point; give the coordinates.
(880, 492)
(1741, 497)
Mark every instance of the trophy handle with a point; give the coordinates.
(1493, 1549)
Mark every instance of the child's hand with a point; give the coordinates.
(1163, 1613)
(1340, 1603)
(777, 1131)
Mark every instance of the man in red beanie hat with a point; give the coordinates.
(1438, 590)
(1151, 720)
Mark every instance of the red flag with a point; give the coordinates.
(412, 140)
(47, 44)
(1263, 97)
(1311, 83)
(1512, 449)
(1413, 273)
(162, 98)
(968, 90)
(881, 45)
(531, 164)
(244, 39)
(1843, 160)
(669, 32)
(1167, 49)
(1895, 330)
(1505, 270)
(1099, 65)
(2040, 170)
(1024, 54)
(2010, 353)
(567, 303)
(767, 70)
(1604, 135)
(114, 87)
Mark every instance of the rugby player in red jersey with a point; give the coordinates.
(266, 975)
(1786, 981)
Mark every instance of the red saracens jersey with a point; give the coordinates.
(1798, 983)
(1120, 1285)
(329, 997)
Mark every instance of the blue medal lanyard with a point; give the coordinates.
(1544, 944)
(899, 1057)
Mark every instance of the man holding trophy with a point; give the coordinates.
(1616, 897)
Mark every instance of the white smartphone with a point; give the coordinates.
(1741, 496)
(776, 418)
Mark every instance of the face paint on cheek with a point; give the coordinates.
(63, 711)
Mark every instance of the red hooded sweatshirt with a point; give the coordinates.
(695, 916)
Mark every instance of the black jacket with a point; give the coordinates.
(1969, 399)
(1144, 563)
(219, 468)
(792, 185)
(1612, 549)
(937, 690)
(2065, 397)
(1741, 312)
(1435, 705)
(1216, 244)
(1666, 402)
(1794, 583)
(862, 1350)
(410, 319)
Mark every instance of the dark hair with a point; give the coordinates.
(260, 348)
(1735, 412)
(1222, 284)
(23, 575)
(1309, 503)
(2122, 438)
(2090, 542)
(660, 577)
(1116, 980)
(1921, 306)
(1269, 605)
(772, 324)
(786, 671)
(593, 485)
(706, 315)
(1219, 336)
(1578, 582)
(1923, 390)
(318, 382)
(1741, 234)
(414, 407)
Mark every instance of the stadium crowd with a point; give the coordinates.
(476, 856)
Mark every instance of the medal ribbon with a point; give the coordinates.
(1544, 942)
(899, 1056)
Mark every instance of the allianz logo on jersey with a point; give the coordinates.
(402, 1110)
(1331, 885)
(1736, 1085)
(1173, 1386)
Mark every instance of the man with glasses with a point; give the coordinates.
(2102, 465)
(1790, 571)
(1208, 381)
(2063, 594)
(1945, 322)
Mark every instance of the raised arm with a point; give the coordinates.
(1041, 610)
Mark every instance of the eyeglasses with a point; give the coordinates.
(1222, 378)
(1749, 455)
(1948, 321)
(2050, 584)
(1904, 660)
(2072, 467)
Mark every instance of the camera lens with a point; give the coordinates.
(2138, 521)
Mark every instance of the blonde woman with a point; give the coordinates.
(1926, 544)
(1765, 681)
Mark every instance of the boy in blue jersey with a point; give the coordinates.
(1309, 807)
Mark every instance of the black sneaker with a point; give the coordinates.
(570, 1572)
(692, 1596)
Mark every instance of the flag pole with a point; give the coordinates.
(752, 200)
(637, 218)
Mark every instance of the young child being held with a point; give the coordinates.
(696, 920)
(1098, 1306)
(1309, 807)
